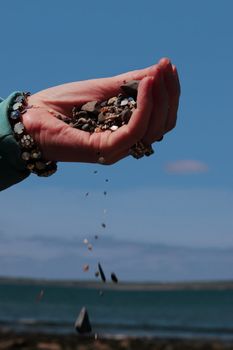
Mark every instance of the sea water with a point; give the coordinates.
(171, 313)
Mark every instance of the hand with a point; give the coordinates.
(156, 113)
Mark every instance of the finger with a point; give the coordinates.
(129, 134)
(156, 126)
(173, 87)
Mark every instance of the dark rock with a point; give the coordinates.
(86, 127)
(83, 114)
(82, 324)
(102, 117)
(114, 277)
(102, 275)
(125, 115)
(131, 88)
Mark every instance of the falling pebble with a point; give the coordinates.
(96, 236)
(114, 277)
(89, 246)
(103, 225)
(40, 295)
(101, 160)
(85, 268)
(95, 171)
(97, 274)
(87, 193)
(85, 241)
(105, 192)
(102, 275)
(106, 180)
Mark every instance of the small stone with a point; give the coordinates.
(89, 247)
(102, 275)
(96, 236)
(101, 160)
(104, 109)
(85, 267)
(112, 100)
(133, 103)
(95, 171)
(82, 324)
(114, 277)
(106, 180)
(124, 102)
(131, 88)
(102, 117)
(40, 295)
(87, 194)
(80, 122)
(103, 225)
(97, 274)
(92, 107)
(85, 127)
(83, 114)
(103, 104)
(85, 241)
(19, 128)
(113, 127)
(125, 115)
(105, 193)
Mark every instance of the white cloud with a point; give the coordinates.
(186, 166)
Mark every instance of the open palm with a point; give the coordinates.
(156, 113)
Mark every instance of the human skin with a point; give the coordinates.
(155, 115)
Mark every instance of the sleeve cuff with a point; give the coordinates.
(12, 168)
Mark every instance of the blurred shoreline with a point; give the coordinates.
(153, 286)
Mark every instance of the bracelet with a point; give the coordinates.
(30, 152)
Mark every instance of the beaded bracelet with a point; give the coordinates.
(30, 153)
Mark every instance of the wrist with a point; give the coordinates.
(22, 126)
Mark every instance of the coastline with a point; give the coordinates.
(33, 341)
(123, 285)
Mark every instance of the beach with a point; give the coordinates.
(34, 341)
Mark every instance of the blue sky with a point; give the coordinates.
(168, 217)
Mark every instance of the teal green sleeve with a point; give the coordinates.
(12, 168)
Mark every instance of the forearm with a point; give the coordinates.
(12, 168)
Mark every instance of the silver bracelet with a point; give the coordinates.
(30, 153)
